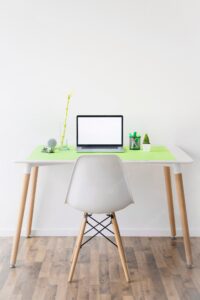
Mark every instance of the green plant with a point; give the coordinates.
(146, 139)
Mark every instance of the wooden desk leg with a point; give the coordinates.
(34, 175)
(183, 215)
(20, 216)
(170, 201)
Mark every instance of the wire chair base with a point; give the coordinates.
(98, 231)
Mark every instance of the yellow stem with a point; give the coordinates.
(65, 121)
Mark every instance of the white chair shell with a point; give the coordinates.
(98, 185)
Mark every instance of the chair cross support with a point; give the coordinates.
(104, 227)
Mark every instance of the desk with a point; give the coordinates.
(166, 157)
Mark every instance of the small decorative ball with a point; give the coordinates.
(52, 143)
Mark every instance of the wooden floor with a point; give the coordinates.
(156, 265)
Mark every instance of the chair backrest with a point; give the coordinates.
(98, 185)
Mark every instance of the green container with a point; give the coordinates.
(134, 141)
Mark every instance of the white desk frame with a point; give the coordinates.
(32, 167)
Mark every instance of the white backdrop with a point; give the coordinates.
(136, 58)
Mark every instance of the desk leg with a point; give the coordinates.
(34, 175)
(170, 201)
(183, 215)
(20, 217)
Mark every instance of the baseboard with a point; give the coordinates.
(124, 232)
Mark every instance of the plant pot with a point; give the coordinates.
(146, 147)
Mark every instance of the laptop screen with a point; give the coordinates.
(99, 130)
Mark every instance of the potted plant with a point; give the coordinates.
(146, 146)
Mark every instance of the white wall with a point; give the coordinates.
(136, 58)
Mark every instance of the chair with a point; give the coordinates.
(98, 186)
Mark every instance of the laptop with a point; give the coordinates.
(99, 133)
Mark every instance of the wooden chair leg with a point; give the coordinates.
(77, 248)
(120, 247)
(34, 176)
(170, 201)
(74, 250)
(184, 221)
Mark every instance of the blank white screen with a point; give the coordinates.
(99, 131)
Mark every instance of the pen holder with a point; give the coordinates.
(134, 143)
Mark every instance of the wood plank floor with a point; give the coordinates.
(156, 265)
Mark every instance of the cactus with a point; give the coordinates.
(146, 139)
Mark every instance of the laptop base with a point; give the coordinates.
(99, 150)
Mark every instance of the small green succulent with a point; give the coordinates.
(146, 139)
